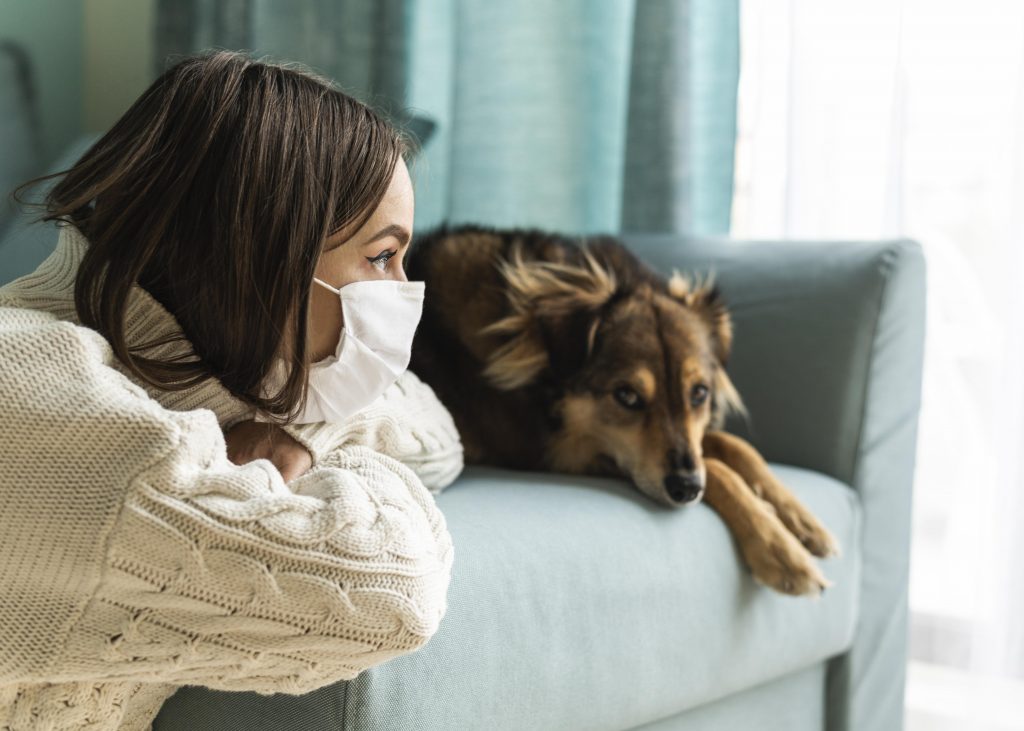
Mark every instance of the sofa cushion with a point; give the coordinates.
(576, 602)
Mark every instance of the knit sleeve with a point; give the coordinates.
(407, 422)
(224, 576)
(135, 550)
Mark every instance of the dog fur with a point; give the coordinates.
(569, 354)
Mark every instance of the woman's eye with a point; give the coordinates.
(382, 259)
(628, 397)
(698, 395)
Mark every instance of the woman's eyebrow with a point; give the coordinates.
(399, 232)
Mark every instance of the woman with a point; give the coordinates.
(216, 469)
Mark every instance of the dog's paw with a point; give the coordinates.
(808, 530)
(778, 560)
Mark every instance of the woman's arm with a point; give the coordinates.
(231, 579)
(142, 553)
(407, 422)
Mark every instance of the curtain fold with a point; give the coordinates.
(581, 116)
(682, 117)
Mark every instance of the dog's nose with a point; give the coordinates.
(683, 488)
(680, 460)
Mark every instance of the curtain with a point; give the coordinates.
(581, 116)
(906, 118)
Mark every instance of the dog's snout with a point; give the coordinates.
(681, 460)
(683, 488)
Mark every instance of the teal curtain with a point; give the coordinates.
(579, 116)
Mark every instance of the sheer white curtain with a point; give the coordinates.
(885, 118)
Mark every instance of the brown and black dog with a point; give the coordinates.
(569, 354)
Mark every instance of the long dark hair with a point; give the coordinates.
(215, 192)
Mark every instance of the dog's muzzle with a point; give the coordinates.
(683, 488)
(683, 483)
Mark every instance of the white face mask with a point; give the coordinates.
(380, 319)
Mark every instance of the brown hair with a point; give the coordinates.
(215, 192)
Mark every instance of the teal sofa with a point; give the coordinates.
(576, 603)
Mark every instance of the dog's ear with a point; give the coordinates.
(555, 313)
(705, 298)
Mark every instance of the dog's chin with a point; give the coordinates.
(605, 464)
(694, 501)
(657, 492)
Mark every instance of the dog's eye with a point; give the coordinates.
(698, 395)
(628, 397)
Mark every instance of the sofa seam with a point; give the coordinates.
(887, 264)
(889, 258)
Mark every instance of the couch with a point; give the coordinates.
(576, 603)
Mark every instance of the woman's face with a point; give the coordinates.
(375, 251)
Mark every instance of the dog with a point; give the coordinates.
(569, 354)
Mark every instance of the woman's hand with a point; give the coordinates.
(249, 440)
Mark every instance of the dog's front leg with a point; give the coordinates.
(748, 463)
(775, 557)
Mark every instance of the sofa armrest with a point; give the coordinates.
(828, 356)
(828, 340)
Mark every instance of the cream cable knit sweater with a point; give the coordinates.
(136, 558)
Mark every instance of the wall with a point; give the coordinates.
(51, 32)
(91, 59)
(118, 64)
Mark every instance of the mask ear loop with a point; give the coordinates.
(325, 284)
(344, 330)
